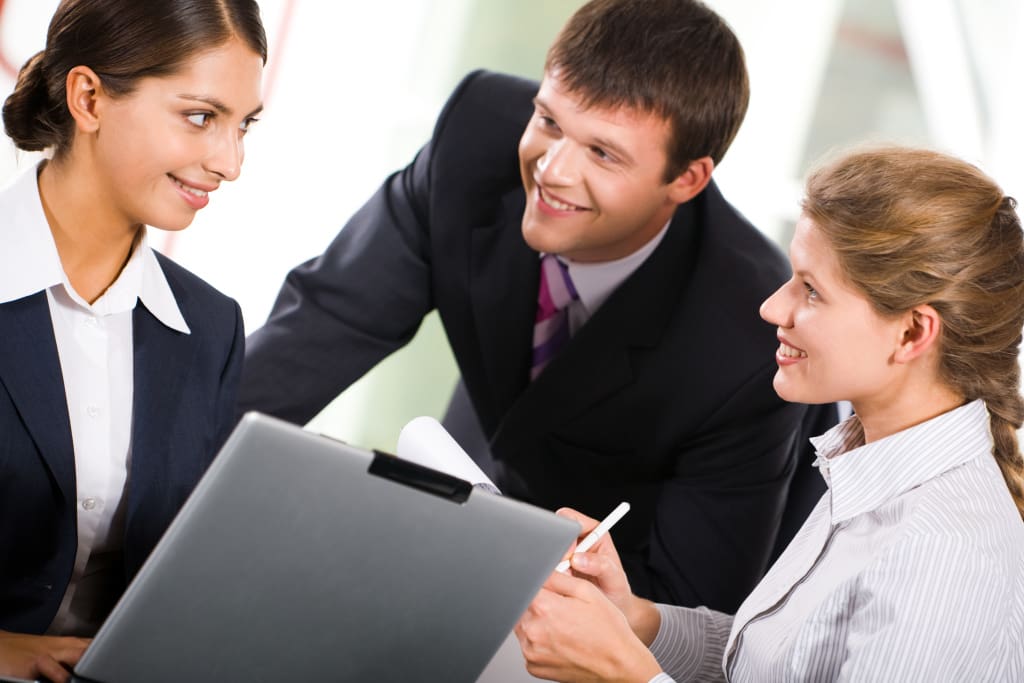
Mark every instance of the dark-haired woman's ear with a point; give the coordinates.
(83, 87)
(920, 333)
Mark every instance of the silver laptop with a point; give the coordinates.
(299, 557)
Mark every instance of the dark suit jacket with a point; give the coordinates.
(185, 388)
(664, 398)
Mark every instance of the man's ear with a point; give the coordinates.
(692, 181)
(83, 91)
(920, 333)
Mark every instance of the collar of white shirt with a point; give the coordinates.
(29, 262)
(595, 282)
(862, 477)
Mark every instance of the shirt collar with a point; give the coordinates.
(29, 262)
(862, 477)
(595, 282)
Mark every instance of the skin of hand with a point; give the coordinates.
(603, 568)
(31, 656)
(572, 632)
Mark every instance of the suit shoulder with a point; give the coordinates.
(474, 150)
(489, 93)
(733, 244)
(482, 121)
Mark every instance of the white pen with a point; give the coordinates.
(595, 535)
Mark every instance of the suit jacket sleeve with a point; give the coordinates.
(340, 313)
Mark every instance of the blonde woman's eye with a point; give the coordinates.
(811, 291)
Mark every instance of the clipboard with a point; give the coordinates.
(299, 557)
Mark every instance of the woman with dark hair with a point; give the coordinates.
(907, 299)
(118, 368)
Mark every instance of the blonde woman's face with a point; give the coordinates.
(832, 344)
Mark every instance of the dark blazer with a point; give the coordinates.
(185, 388)
(664, 398)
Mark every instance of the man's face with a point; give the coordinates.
(594, 178)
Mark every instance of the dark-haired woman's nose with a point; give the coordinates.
(225, 160)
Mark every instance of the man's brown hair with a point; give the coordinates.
(674, 58)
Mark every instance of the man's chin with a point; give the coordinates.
(535, 238)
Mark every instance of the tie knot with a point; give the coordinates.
(556, 288)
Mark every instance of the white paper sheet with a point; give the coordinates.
(425, 442)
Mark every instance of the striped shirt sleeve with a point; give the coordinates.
(690, 643)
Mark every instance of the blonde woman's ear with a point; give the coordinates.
(920, 333)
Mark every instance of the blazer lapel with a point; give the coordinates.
(162, 360)
(30, 370)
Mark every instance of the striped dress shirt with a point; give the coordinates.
(910, 568)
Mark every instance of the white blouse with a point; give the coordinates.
(94, 345)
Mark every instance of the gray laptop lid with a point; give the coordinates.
(301, 558)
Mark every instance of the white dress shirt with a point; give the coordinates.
(910, 568)
(94, 345)
(595, 282)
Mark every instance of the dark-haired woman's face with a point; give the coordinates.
(162, 149)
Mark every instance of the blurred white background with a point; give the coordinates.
(352, 90)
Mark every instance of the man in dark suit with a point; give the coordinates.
(660, 393)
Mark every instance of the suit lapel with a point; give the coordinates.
(162, 360)
(597, 361)
(504, 271)
(30, 370)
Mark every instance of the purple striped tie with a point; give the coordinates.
(551, 328)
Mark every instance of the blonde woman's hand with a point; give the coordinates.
(572, 632)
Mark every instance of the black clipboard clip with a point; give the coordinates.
(419, 477)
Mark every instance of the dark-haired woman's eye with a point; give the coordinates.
(244, 126)
(199, 119)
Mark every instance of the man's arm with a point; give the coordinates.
(340, 313)
(717, 517)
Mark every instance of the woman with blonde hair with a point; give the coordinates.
(907, 299)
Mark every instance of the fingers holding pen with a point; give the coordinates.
(572, 632)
